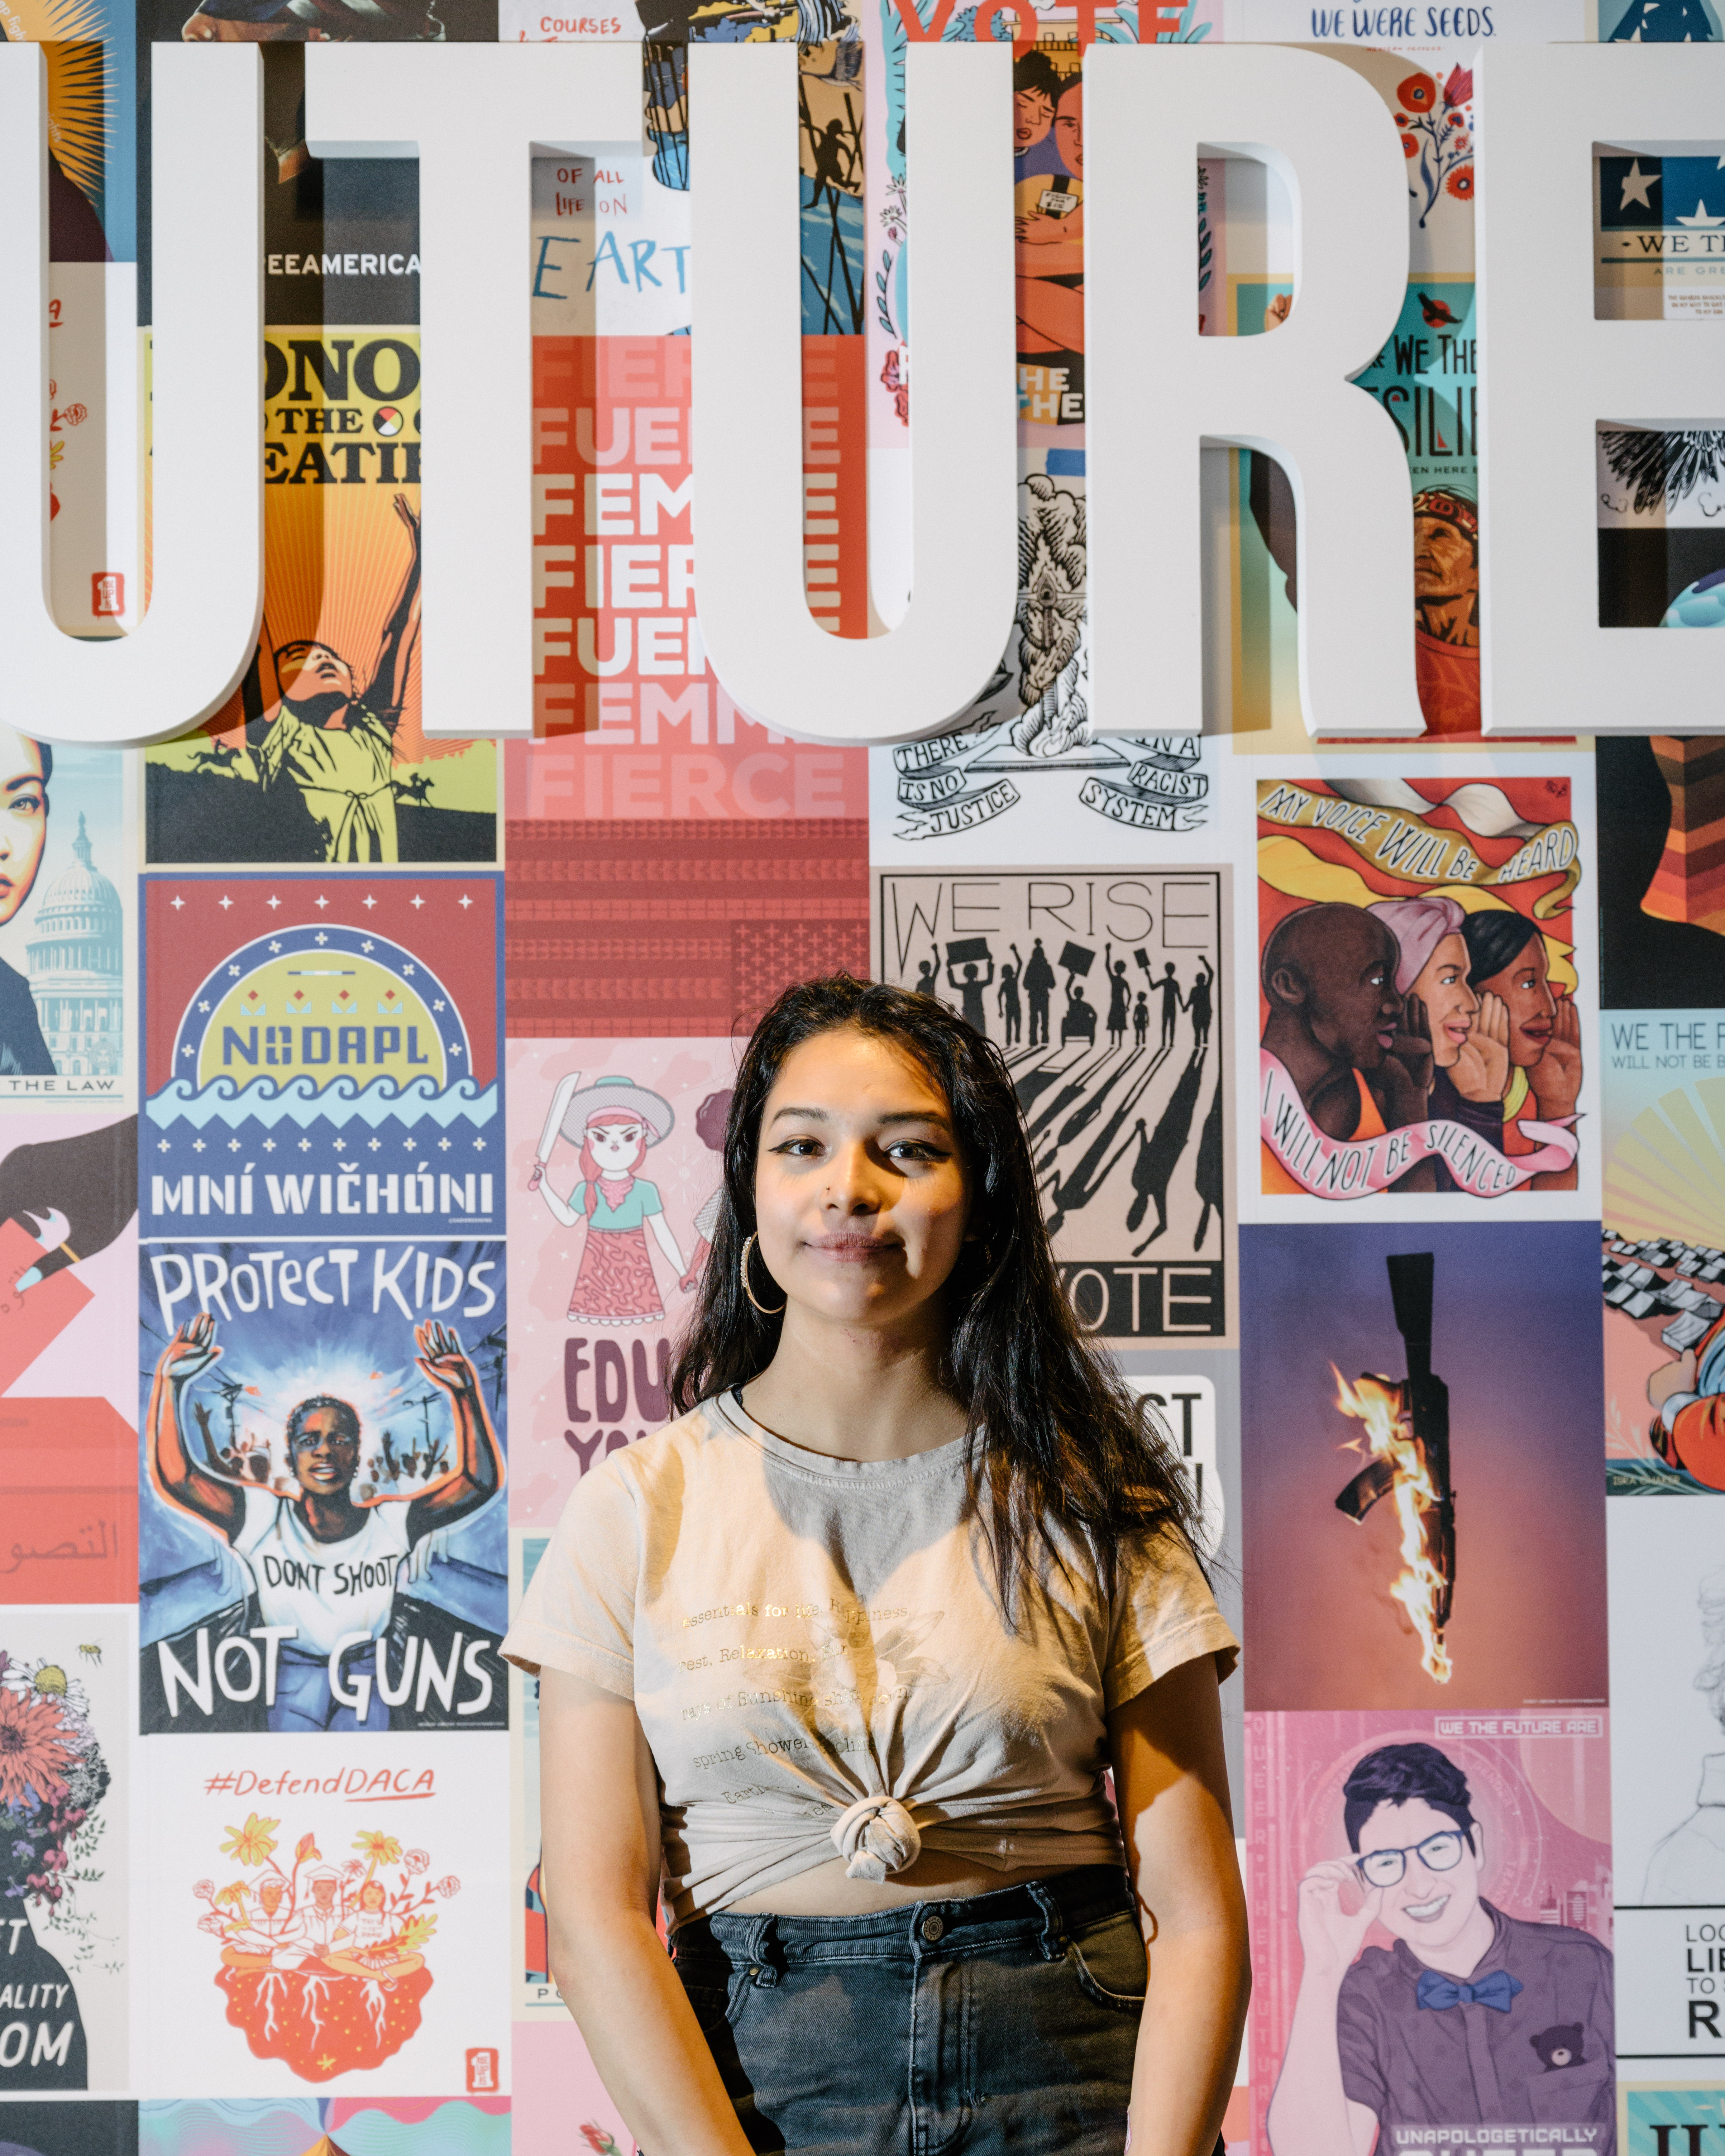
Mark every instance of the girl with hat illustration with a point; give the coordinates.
(613, 1121)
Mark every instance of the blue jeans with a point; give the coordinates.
(1000, 2022)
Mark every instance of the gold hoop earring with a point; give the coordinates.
(743, 1272)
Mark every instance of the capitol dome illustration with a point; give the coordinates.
(75, 960)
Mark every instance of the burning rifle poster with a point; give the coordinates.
(615, 1168)
(320, 755)
(321, 1056)
(1663, 1276)
(1025, 772)
(1100, 987)
(1667, 1602)
(65, 1947)
(1398, 1436)
(1422, 1000)
(338, 1923)
(1430, 1906)
(322, 1538)
(475, 2125)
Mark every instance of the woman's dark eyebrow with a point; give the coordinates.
(898, 1115)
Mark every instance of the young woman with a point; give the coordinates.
(841, 1660)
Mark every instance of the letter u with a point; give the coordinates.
(776, 661)
(183, 659)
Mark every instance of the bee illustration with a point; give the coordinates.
(92, 1653)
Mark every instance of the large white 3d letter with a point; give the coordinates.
(766, 647)
(1157, 392)
(472, 118)
(1550, 372)
(185, 657)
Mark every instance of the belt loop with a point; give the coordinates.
(758, 1947)
(1051, 1941)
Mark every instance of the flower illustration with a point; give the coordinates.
(254, 1843)
(36, 1748)
(1436, 131)
(448, 1888)
(416, 1860)
(212, 1924)
(204, 1889)
(378, 1848)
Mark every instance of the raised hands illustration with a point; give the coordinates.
(1556, 1078)
(443, 1358)
(190, 1350)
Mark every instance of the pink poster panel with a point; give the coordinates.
(1430, 1903)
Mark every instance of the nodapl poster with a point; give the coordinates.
(1399, 1435)
(65, 1809)
(614, 1171)
(1667, 1596)
(320, 755)
(321, 1054)
(1406, 1870)
(1662, 1277)
(68, 926)
(476, 2125)
(337, 1917)
(1419, 979)
(322, 1544)
(1101, 988)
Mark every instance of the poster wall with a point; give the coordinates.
(363, 1096)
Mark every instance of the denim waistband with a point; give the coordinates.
(1041, 1912)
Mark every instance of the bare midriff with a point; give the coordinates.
(825, 1891)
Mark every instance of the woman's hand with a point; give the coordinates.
(1331, 1934)
(1481, 1071)
(1556, 1077)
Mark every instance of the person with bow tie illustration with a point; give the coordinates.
(1446, 2027)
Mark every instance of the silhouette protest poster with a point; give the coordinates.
(1421, 992)
(65, 1802)
(614, 1170)
(321, 1054)
(333, 1925)
(322, 1543)
(1101, 987)
(1398, 1435)
(1431, 1907)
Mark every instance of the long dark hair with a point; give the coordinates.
(1057, 1441)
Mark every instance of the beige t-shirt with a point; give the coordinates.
(817, 1657)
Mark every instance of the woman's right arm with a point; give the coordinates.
(598, 1808)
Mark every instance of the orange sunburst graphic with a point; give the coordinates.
(70, 32)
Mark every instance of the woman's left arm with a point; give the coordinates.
(1171, 1787)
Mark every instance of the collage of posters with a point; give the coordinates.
(364, 1094)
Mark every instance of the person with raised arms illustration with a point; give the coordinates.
(323, 1569)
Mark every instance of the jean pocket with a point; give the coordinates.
(1109, 1962)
